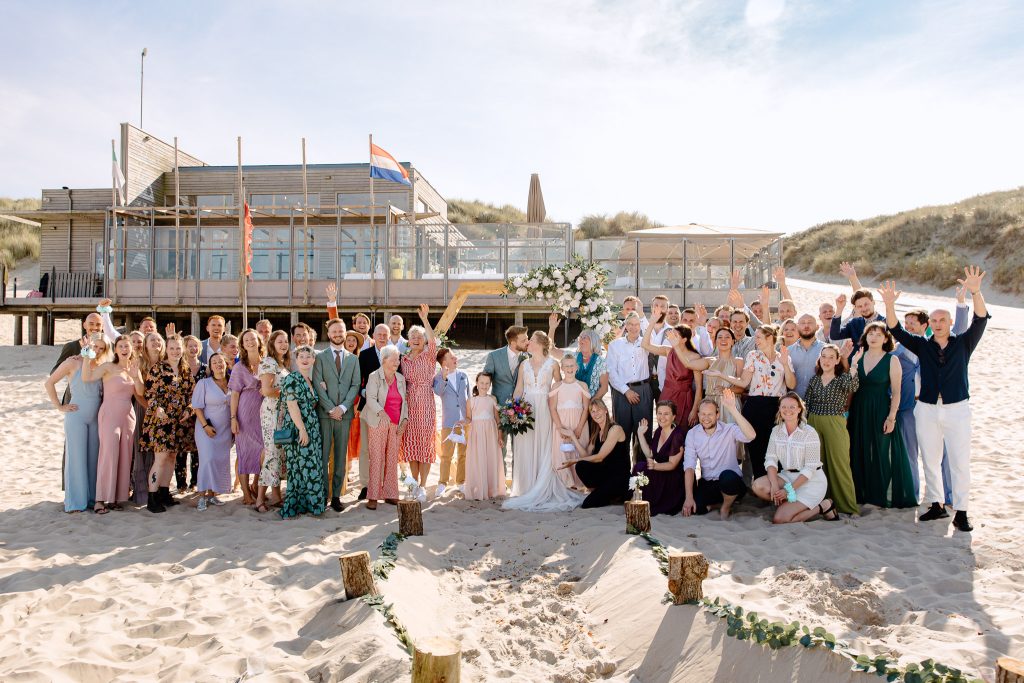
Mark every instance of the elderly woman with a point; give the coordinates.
(386, 412)
(591, 368)
(794, 481)
(304, 456)
(81, 422)
(419, 439)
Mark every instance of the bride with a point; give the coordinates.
(535, 486)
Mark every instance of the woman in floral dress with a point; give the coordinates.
(304, 457)
(169, 421)
(418, 441)
(272, 370)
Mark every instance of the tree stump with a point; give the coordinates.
(436, 660)
(410, 518)
(686, 573)
(356, 575)
(638, 515)
(1009, 670)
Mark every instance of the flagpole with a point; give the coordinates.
(373, 234)
(242, 286)
(177, 224)
(113, 229)
(305, 226)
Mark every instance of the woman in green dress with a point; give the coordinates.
(304, 458)
(878, 456)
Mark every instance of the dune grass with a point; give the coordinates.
(929, 245)
(17, 240)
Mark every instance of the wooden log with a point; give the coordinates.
(410, 518)
(686, 574)
(356, 575)
(1009, 670)
(436, 660)
(638, 515)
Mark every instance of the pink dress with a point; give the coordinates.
(569, 406)
(116, 426)
(419, 439)
(485, 477)
(249, 440)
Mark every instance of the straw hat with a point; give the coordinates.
(358, 336)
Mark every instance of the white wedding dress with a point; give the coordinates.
(535, 487)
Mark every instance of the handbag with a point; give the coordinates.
(284, 436)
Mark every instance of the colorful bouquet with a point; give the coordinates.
(516, 416)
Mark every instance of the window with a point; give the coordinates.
(281, 204)
(359, 202)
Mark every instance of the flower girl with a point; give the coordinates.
(484, 475)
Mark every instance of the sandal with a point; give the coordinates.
(825, 513)
(116, 507)
(371, 505)
(101, 510)
(262, 507)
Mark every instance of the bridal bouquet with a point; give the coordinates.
(516, 416)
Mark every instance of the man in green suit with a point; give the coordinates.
(503, 367)
(336, 380)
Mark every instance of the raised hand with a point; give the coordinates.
(765, 293)
(890, 294)
(961, 294)
(105, 302)
(332, 291)
(784, 355)
(553, 320)
(735, 299)
(169, 330)
(702, 315)
(973, 276)
(857, 356)
(735, 280)
(840, 304)
(728, 399)
(779, 275)
(84, 341)
(424, 311)
(642, 427)
(846, 348)
(847, 269)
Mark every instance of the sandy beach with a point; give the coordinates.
(566, 597)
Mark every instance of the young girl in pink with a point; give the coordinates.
(569, 402)
(485, 477)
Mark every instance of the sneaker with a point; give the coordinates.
(936, 511)
(462, 489)
(214, 500)
(961, 522)
(440, 491)
(421, 494)
(201, 506)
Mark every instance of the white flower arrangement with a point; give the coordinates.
(639, 480)
(577, 287)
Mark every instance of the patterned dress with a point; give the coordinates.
(273, 456)
(249, 440)
(418, 441)
(305, 492)
(173, 393)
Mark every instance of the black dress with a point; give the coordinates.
(665, 490)
(609, 478)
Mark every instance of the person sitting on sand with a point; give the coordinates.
(714, 446)
(795, 481)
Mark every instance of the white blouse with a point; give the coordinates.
(799, 451)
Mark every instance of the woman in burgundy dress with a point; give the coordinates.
(663, 464)
(683, 384)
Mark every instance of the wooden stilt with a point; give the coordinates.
(686, 574)
(410, 518)
(17, 330)
(356, 575)
(436, 660)
(33, 329)
(1009, 670)
(638, 515)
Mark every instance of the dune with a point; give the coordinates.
(230, 594)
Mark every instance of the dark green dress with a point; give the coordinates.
(305, 465)
(881, 469)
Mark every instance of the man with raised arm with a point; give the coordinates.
(943, 411)
(863, 305)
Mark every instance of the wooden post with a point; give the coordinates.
(638, 515)
(17, 330)
(686, 573)
(1009, 670)
(33, 329)
(410, 518)
(436, 660)
(356, 575)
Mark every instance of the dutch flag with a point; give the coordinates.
(384, 166)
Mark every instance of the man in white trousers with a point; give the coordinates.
(943, 409)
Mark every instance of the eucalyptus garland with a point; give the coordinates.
(380, 568)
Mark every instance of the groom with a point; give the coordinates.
(503, 367)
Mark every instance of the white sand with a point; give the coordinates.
(206, 597)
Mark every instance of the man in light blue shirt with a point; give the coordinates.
(804, 353)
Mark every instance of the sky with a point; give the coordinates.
(777, 114)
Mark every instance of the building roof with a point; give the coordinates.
(696, 230)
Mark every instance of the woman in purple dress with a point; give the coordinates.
(211, 401)
(246, 400)
(664, 490)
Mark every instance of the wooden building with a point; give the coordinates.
(174, 250)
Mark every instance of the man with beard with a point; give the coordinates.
(804, 353)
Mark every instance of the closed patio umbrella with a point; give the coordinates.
(535, 211)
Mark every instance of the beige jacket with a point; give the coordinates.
(377, 394)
